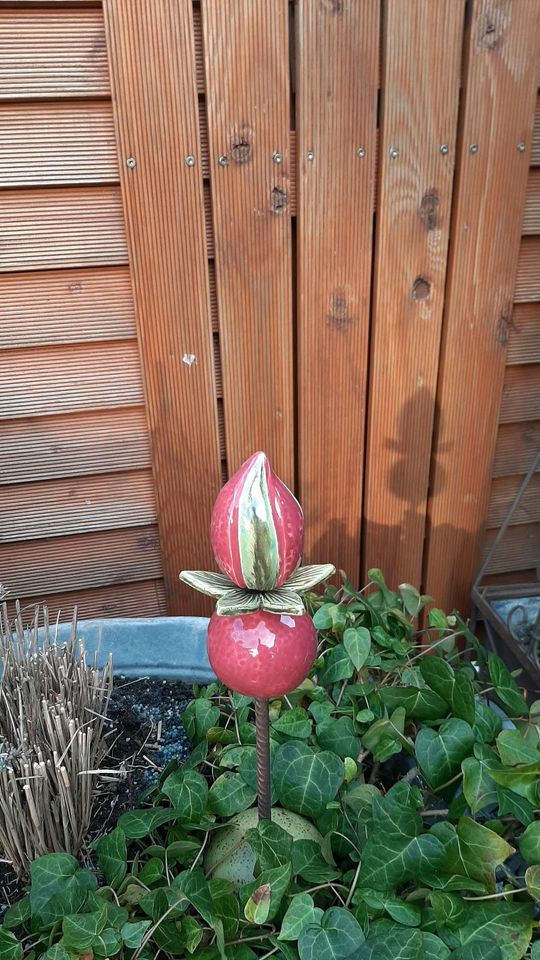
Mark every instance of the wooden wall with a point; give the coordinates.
(298, 227)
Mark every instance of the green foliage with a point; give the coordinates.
(406, 777)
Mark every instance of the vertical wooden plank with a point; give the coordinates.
(420, 89)
(247, 73)
(337, 64)
(498, 115)
(152, 62)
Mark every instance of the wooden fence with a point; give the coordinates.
(311, 228)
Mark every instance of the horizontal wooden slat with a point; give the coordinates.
(53, 53)
(516, 576)
(198, 44)
(518, 550)
(221, 430)
(80, 562)
(218, 373)
(503, 492)
(45, 448)
(531, 219)
(65, 379)
(65, 306)
(209, 228)
(521, 394)
(203, 138)
(517, 444)
(528, 275)
(144, 599)
(524, 336)
(54, 508)
(213, 296)
(63, 227)
(535, 152)
(57, 143)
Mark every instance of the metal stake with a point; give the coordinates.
(264, 801)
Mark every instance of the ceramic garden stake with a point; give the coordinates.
(261, 641)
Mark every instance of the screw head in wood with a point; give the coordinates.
(361, 152)
(443, 149)
(394, 152)
(521, 147)
(310, 155)
(473, 148)
(277, 158)
(223, 160)
(131, 163)
(190, 160)
(189, 359)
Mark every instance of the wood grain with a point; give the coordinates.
(535, 152)
(247, 76)
(61, 227)
(531, 219)
(80, 562)
(67, 379)
(520, 394)
(499, 100)
(48, 307)
(53, 53)
(528, 274)
(53, 508)
(337, 54)
(58, 143)
(71, 445)
(519, 550)
(419, 114)
(503, 492)
(524, 334)
(152, 60)
(144, 599)
(517, 444)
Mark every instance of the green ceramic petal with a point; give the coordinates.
(257, 538)
(213, 584)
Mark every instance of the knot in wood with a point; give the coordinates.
(278, 199)
(421, 289)
(429, 208)
(241, 150)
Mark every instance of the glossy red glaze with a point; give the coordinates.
(262, 654)
(256, 515)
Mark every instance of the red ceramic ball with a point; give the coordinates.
(262, 654)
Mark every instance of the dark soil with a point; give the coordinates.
(146, 733)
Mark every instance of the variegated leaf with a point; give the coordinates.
(205, 581)
(238, 601)
(304, 578)
(282, 601)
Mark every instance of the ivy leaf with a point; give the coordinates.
(198, 717)
(188, 792)
(49, 875)
(192, 933)
(230, 794)
(472, 850)
(107, 944)
(512, 803)
(56, 952)
(257, 907)
(10, 948)
(391, 941)
(514, 749)
(440, 753)
(331, 616)
(139, 823)
(412, 600)
(506, 925)
(306, 781)
(17, 914)
(277, 880)
(337, 666)
(111, 852)
(506, 687)
(294, 723)
(336, 937)
(300, 914)
(487, 723)
(455, 688)
(132, 933)
(420, 703)
(529, 845)
(309, 863)
(338, 735)
(80, 929)
(532, 880)
(478, 787)
(357, 643)
(270, 843)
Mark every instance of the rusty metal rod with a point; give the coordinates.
(264, 799)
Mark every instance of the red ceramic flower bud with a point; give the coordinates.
(257, 527)
(262, 654)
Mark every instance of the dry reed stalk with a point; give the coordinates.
(53, 707)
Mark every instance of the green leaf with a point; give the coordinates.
(408, 914)
(271, 844)
(529, 845)
(111, 853)
(396, 849)
(514, 749)
(412, 600)
(257, 907)
(80, 929)
(192, 933)
(506, 925)
(357, 643)
(391, 941)
(512, 803)
(294, 723)
(230, 794)
(487, 723)
(17, 914)
(506, 687)
(336, 937)
(107, 943)
(309, 863)
(300, 913)
(56, 952)
(455, 688)
(532, 880)
(306, 781)
(152, 872)
(338, 735)
(10, 948)
(277, 879)
(337, 666)
(139, 823)
(440, 753)
(420, 703)
(472, 850)
(198, 717)
(188, 792)
(49, 875)
(194, 885)
(478, 787)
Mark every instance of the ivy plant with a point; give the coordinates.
(405, 781)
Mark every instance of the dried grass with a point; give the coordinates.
(53, 708)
